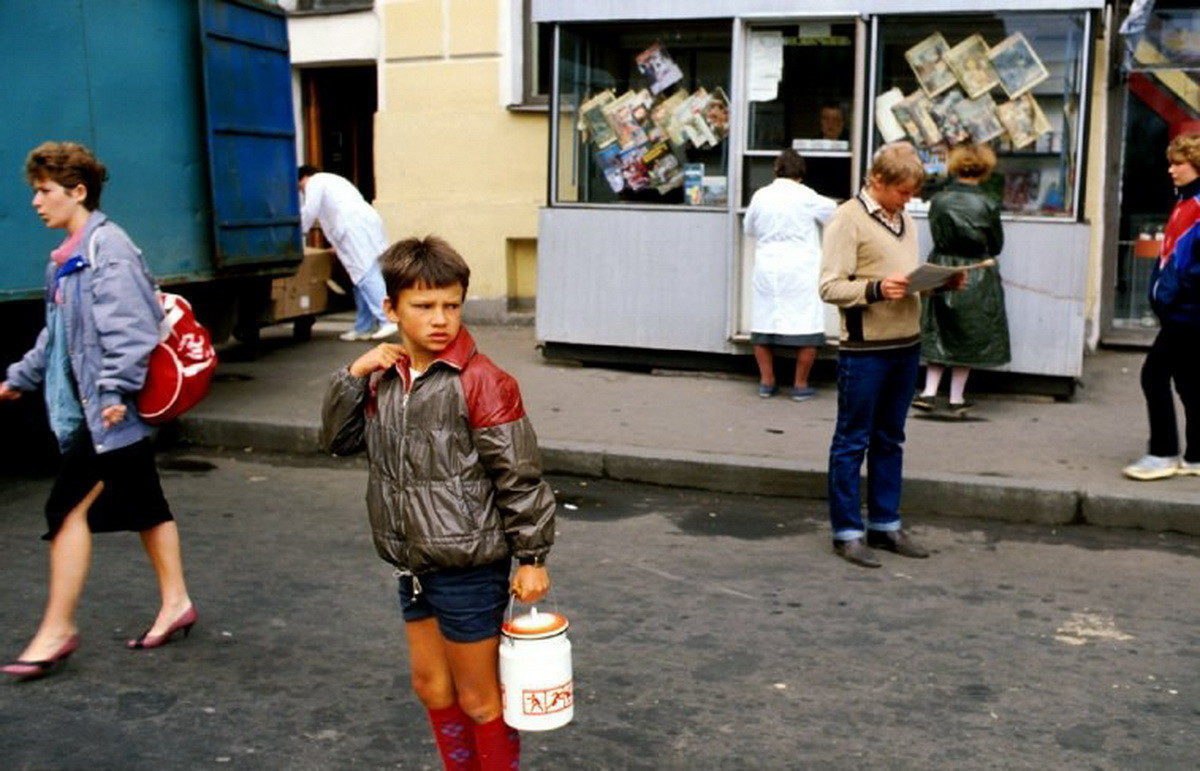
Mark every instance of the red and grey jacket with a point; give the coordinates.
(455, 478)
(1175, 280)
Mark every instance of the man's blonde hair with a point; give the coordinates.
(1185, 147)
(896, 163)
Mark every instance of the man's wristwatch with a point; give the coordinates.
(537, 562)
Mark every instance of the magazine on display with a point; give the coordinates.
(693, 183)
(1021, 191)
(714, 191)
(1023, 119)
(689, 118)
(662, 167)
(1017, 65)
(979, 118)
(662, 113)
(592, 121)
(637, 176)
(928, 63)
(608, 158)
(716, 113)
(970, 64)
(626, 115)
(953, 130)
(914, 114)
(885, 120)
(659, 69)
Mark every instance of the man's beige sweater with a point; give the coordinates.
(859, 251)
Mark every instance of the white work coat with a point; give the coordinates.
(783, 220)
(351, 224)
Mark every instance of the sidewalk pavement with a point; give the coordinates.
(1021, 459)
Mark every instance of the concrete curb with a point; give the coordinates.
(1041, 502)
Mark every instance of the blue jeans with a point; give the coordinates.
(875, 390)
(368, 301)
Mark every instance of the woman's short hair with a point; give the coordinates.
(790, 165)
(897, 162)
(69, 164)
(1185, 147)
(428, 261)
(971, 161)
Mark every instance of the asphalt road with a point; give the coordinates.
(709, 631)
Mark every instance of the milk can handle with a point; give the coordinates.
(512, 601)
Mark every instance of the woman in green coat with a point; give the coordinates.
(969, 328)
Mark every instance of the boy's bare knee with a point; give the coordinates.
(434, 690)
(480, 706)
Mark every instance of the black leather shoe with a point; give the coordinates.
(855, 550)
(898, 541)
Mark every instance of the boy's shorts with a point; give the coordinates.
(468, 603)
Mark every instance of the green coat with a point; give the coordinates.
(967, 328)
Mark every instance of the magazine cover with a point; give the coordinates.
(608, 159)
(928, 63)
(716, 113)
(662, 116)
(915, 116)
(970, 64)
(659, 69)
(946, 116)
(979, 118)
(693, 183)
(662, 167)
(592, 121)
(714, 191)
(1021, 191)
(1017, 65)
(1023, 119)
(885, 120)
(637, 177)
(625, 115)
(689, 118)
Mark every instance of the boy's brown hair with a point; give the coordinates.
(428, 261)
(69, 164)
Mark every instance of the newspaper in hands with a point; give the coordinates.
(927, 276)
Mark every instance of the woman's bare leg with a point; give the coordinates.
(70, 558)
(162, 546)
(933, 378)
(766, 364)
(804, 364)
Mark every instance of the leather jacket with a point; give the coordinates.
(454, 474)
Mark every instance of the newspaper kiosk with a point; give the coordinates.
(666, 117)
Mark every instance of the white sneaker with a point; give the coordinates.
(354, 336)
(1155, 467)
(1188, 469)
(384, 332)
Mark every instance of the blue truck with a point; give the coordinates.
(189, 104)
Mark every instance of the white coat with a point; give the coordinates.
(783, 220)
(351, 224)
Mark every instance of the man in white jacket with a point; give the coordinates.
(355, 230)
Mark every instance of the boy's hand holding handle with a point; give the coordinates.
(530, 583)
(8, 394)
(380, 357)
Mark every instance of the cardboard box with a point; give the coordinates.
(305, 293)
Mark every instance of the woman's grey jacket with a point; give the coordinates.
(112, 320)
(455, 479)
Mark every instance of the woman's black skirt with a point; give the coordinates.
(132, 498)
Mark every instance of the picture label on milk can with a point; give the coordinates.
(546, 701)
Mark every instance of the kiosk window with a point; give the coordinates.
(643, 113)
(1013, 80)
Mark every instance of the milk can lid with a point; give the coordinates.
(533, 626)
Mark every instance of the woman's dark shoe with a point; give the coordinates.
(924, 403)
(961, 409)
(32, 670)
(767, 391)
(184, 624)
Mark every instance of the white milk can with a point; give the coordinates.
(536, 684)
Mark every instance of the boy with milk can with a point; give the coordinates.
(454, 493)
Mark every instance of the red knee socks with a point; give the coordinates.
(455, 736)
(499, 746)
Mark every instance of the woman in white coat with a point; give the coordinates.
(786, 310)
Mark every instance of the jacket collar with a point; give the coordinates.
(1189, 190)
(456, 355)
(94, 220)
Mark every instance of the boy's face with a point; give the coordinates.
(429, 319)
(1181, 171)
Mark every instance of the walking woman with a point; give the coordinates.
(968, 328)
(786, 309)
(102, 321)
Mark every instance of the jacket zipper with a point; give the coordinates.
(400, 472)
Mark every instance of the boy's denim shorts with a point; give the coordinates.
(468, 603)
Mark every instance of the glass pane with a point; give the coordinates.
(644, 113)
(1017, 86)
(1172, 39)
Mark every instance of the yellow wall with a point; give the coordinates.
(450, 159)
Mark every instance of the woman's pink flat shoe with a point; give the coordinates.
(184, 624)
(32, 670)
